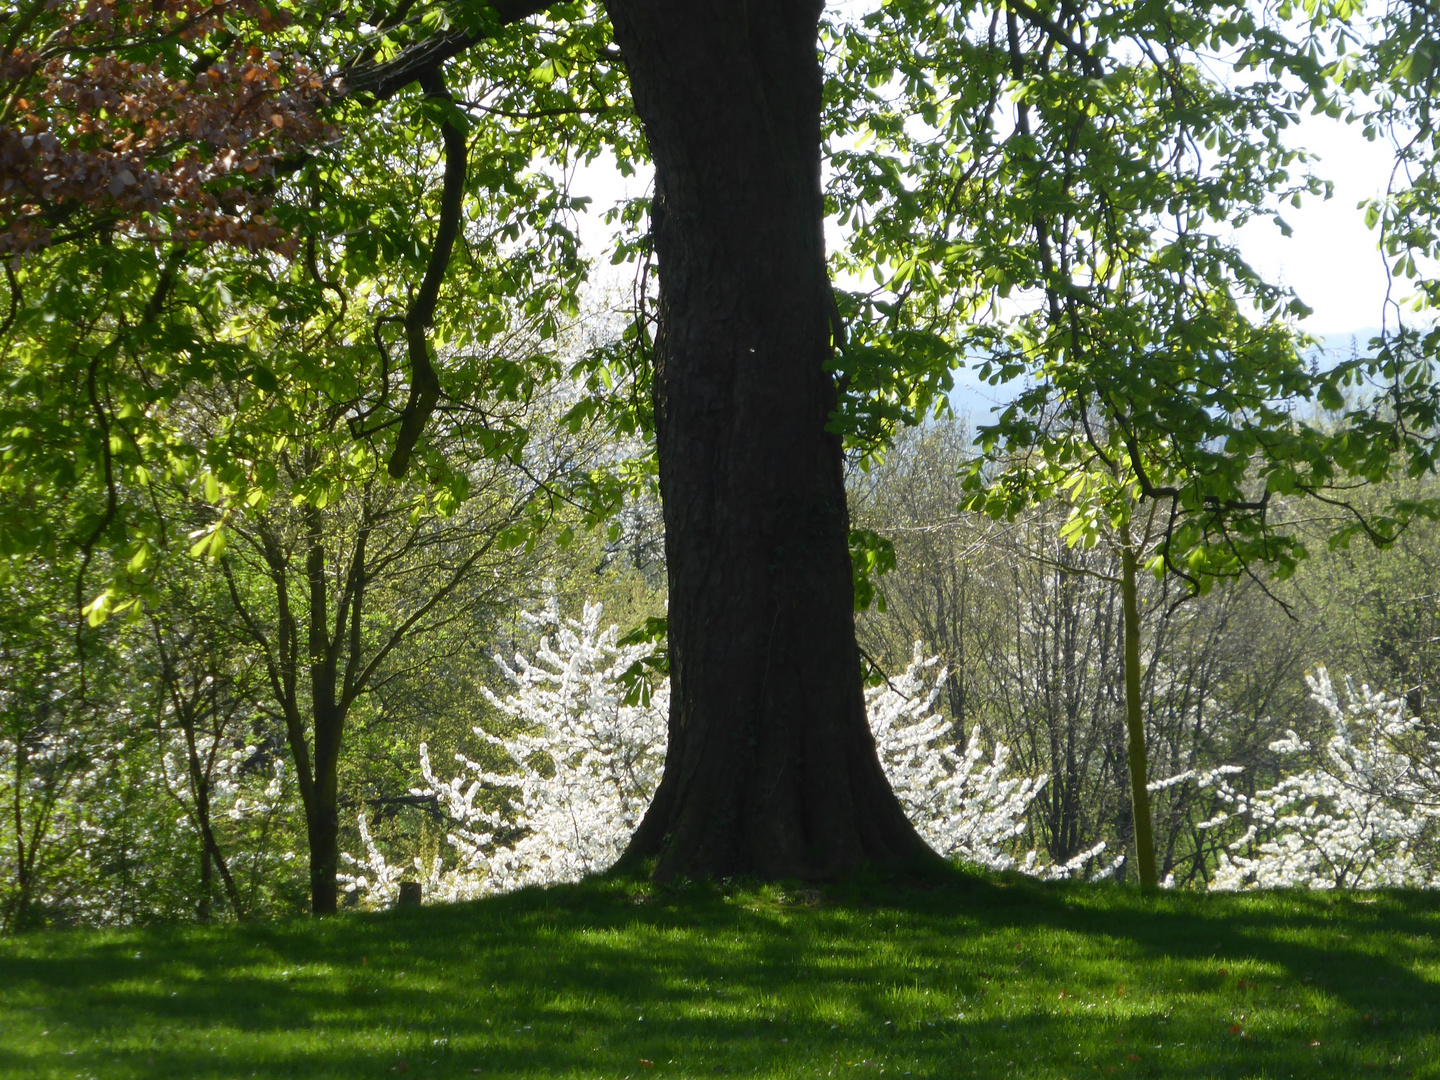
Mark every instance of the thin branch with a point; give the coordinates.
(404, 628)
(14, 299)
(538, 114)
(424, 382)
(1380, 540)
(383, 81)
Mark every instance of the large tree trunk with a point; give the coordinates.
(771, 768)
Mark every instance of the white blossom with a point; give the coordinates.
(1360, 818)
(964, 805)
(585, 765)
(584, 768)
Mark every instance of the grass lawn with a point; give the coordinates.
(976, 977)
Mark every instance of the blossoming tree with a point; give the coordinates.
(1364, 815)
(585, 765)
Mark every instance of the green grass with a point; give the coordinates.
(972, 978)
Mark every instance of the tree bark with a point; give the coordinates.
(771, 768)
(328, 716)
(322, 822)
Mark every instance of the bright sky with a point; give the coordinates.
(1331, 261)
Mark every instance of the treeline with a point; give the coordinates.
(210, 753)
(1030, 629)
(207, 750)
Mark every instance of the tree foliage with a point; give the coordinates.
(268, 262)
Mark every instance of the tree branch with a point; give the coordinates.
(424, 383)
(14, 299)
(1058, 34)
(383, 81)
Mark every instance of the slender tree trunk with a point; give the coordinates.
(1135, 720)
(771, 768)
(211, 857)
(19, 899)
(202, 906)
(323, 812)
(200, 788)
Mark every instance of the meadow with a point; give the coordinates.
(964, 976)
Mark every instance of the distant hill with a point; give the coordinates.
(1342, 346)
(973, 397)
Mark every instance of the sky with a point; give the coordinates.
(1331, 260)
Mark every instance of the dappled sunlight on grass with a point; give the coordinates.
(970, 977)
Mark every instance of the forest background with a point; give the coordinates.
(223, 609)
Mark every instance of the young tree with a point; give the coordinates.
(328, 594)
(1156, 405)
(208, 689)
(1034, 627)
(44, 748)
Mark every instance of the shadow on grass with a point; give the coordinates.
(967, 977)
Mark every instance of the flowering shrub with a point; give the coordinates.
(1364, 816)
(585, 768)
(84, 798)
(964, 806)
(586, 765)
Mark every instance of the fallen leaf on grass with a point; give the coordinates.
(647, 1063)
